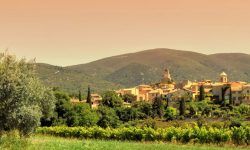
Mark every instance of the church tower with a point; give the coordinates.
(223, 77)
(166, 76)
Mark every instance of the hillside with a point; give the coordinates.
(146, 67)
(71, 80)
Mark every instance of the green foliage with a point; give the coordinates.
(241, 135)
(193, 110)
(89, 97)
(182, 107)
(108, 118)
(207, 111)
(183, 135)
(201, 122)
(129, 98)
(12, 140)
(69, 80)
(127, 114)
(80, 95)
(23, 99)
(149, 123)
(62, 103)
(201, 105)
(218, 125)
(235, 122)
(81, 115)
(158, 107)
(223, 92)
(145, 109)
(70, 114)
(202, 93)
(243, 109)
(88, 118)
(111, 99)
(170, 113)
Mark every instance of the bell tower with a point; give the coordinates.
(166, 76)
(223, 77)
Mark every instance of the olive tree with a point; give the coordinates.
(23, 99)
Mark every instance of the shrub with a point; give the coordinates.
(243, 109)
(235, 122)
(170, 113)
(240, 135)
(201, 122)
(145, 109)
(108, 118)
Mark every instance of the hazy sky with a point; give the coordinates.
(65, 32)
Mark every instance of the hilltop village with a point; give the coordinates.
(238, 92)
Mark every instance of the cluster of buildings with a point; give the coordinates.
(239, 92)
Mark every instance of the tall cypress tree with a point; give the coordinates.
(231, 102)
(202, 93)
(223, 94)
(182, 107)
(80, 95)
(158, 107)
(89, 97)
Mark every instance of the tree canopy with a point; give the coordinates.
(24, 100)
(111, 99)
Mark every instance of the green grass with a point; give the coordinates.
(40, 142)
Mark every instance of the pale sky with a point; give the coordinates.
(67, 32)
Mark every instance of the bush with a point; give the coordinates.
(170, 113)
(241, 135)
(108, 118)
(235, 123)
(149, 123)
(217, 125)
(145, 109)
(243, 109)
(81, 115)
(127, 113)
(201, 122)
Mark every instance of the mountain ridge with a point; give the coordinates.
(146, 67)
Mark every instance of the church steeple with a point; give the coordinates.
(223, 77)
(166, 76)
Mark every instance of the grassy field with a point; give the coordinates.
(40, 142)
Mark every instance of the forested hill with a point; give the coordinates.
(145, 67)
